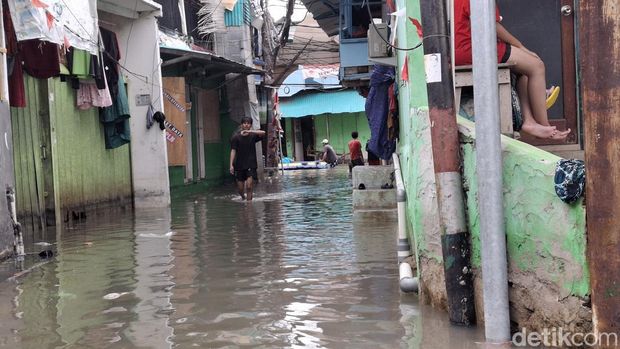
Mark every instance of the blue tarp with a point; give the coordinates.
(317, 103)
(377, 105)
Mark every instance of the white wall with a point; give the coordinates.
(138, 40)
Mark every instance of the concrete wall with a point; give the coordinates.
(548, 273)
(138, 39)
(6, 179)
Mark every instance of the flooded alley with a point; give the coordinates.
(293, 269)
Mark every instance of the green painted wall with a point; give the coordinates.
(176, 175)
(85, 172)
(27, 151)
(82, 172)
(215, 154)
(340, 128)
(544, 235)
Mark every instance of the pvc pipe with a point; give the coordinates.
(408, 283)
(489, 172)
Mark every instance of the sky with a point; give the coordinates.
(277, 8)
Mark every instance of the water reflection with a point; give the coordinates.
(292, 269)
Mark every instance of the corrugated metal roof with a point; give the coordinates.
(347, 101)
(239, 16)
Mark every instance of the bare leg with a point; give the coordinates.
(530, 125)
(531, 88)
(249, 186)
(241, 189)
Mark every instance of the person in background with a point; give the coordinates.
(355, 149)
(243, 157)
(329, 155)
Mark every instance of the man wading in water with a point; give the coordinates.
(243, 157)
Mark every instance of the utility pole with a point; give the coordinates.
(489, 172)
(446, 148)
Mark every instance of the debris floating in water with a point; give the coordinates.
(114, 295)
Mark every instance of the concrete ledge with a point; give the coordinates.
(376, 215)
(373, 177)
(374, 199)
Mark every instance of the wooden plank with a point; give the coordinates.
(601, 106)
(177, 150)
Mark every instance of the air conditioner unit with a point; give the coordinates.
(377, 37)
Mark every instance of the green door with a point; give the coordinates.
(32, 154)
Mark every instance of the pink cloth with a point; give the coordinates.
(89, 96)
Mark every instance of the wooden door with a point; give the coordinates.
(176, 115)
(32, 157)
(546, 27)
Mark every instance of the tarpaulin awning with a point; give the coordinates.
(316, 103)
(209, 64)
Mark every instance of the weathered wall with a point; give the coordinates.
(546, 241)
(138, 37)
(60, 155)
(85, 173)
(546, 238)
(6, 179)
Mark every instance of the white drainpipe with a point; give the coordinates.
(408, 283)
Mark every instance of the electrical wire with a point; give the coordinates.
(367, 5)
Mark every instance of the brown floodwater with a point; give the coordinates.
(293, 269)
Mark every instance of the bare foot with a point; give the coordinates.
(538, 130)
(559, 135)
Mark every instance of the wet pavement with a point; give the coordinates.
(293, 269)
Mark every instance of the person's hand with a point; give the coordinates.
(232, 170)
(245, 132)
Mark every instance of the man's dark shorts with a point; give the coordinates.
(242, 175)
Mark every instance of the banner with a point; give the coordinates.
(58, 21)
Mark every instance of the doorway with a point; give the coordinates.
(546, 27)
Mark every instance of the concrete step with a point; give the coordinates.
(386, 215)
(374, 199)
(373, 177)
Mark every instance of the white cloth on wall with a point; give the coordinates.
(56, 21)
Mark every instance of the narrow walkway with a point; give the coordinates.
(293, 269)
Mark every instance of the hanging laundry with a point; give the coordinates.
(377, 107)
(17, 93)
(111, 57)
(78, 61)
(89, 95)
(392, 119)
(115, 119)
(40, 58)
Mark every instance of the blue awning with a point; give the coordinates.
(316, 103)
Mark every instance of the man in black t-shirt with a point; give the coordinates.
(243, 157)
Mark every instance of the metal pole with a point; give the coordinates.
(446, 148)
(489, 172)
